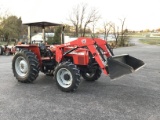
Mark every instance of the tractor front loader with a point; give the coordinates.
(67, 62)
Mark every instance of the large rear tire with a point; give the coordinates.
(25, 66)
(92, 75)
(67, 76)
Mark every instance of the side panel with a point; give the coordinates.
(80, 57)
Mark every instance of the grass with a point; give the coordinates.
(151, 41)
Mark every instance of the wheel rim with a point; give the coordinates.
(21, 66)
(90, 75)
(64, 77)
(0, 50)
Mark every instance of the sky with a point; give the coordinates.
(139, 14)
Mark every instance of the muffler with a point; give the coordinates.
(123, 64)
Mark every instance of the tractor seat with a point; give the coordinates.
(42, 46)
(45, 52)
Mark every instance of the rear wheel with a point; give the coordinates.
(1, 50)
(25, 66)
(67, 76)
(91, 75)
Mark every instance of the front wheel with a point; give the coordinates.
(25, 66)
(67, 76)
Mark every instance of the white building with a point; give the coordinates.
(39, 37)
(154, 35)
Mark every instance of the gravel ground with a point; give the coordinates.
(132, 97)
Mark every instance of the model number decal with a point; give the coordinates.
(77, 53)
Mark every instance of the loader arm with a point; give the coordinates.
(98, 58)
(91, 44)
(104, 46)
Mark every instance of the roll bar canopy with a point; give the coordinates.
(42, 24)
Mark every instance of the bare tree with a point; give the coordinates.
(83, 12)
(115, 32)
(123, 32)
(74, 18)
(107, 27)
(93, 28)
(80, 18)
(93, 16)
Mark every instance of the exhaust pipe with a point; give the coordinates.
(123, 64)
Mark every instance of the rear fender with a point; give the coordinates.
(33, 48)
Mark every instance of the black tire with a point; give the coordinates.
(25, 66)
(67, 76)
(92, 76)
(1, 50)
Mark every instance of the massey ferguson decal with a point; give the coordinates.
(83, 41)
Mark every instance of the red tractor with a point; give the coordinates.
(86, 57)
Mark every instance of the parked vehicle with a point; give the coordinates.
(86, 57)
(7, 50)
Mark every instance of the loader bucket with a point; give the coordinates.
(123, 64)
